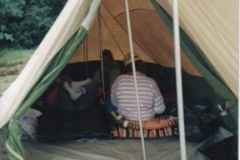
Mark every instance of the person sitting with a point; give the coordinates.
(111, 70)
(68, 94)
(123, 102)
(79, 90)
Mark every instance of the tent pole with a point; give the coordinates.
(238, 76)
(135, 79)
(179, 80)
(85, 56)
(86, 51)
(100, 44)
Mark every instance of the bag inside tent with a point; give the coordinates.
(31, 128)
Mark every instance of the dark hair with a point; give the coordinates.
(107, 54)
(139, 65)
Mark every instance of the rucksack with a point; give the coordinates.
(199, 122)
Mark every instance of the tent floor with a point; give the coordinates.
(166, 148)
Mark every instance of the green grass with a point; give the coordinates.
(3, 152)
(11, 63)
(10, 57)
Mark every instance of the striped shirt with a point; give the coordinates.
(123, 96)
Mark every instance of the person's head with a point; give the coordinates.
(107, 56)
(139, 64)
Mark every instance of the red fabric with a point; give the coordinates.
(52, 97)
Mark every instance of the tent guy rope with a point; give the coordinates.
(135, 79)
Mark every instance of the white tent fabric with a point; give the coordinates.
(65, 26)
(213, 26)
(210, 33)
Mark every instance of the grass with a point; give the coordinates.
(3, 152)
(10, 57)
(11, 63)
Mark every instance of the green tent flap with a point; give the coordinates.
(11, 131)
(12, 134)
(205, 68)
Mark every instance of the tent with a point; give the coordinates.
(208, 33)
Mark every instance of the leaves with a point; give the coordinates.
(24, 23)
(12, 8)
(8, 37)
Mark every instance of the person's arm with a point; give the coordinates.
(97, 78)
(114, 74)
(113, 95)
(158, 104)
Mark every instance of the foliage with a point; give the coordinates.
(10, 11)
(24, 23)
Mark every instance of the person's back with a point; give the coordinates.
(123, 95)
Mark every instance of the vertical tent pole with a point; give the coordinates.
(179, 80)
(135, 79)
(238, 74)
(100, 46)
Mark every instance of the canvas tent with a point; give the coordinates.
(205, 22)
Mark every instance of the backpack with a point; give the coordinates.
(199, 122)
